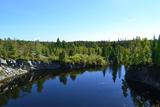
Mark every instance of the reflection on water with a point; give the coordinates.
(142, 95)
(82, 88)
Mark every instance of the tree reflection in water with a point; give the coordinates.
(142, 95)
(22, 86)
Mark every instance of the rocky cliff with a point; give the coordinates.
(10, 67)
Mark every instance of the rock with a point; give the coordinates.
(11, 62)
(3, 61)
(30, 63)
(19, 63)
(12, 68)
(2, 78)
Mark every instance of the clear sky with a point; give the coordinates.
(79, 19)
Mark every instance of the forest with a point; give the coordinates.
(136, 51)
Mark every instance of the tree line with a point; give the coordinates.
(136, 51)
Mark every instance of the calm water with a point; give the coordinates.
(86, 88)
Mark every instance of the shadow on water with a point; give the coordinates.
(22, 86)
(142, 95)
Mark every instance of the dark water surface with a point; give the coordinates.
(85, 88)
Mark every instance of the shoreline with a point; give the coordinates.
(11, 68)
(138, 73)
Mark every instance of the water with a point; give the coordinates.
(86, 88)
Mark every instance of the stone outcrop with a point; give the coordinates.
(10, 67)
(29, 65)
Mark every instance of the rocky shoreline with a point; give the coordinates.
(10, 67)
(147, 74)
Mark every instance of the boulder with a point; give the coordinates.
(3, 61)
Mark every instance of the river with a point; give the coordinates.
(105, 87)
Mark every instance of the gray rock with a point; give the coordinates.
(30, 63)
(11, 62)
(3, 61)
(2, 77)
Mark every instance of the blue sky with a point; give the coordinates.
(79, 19)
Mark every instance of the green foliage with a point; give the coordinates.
(62, 56)
(136, 51)
(156, 50)
(86, 59)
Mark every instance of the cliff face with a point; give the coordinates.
(149, 75)
(29, 65)
(10, 67)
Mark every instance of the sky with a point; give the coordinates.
(72, 20)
